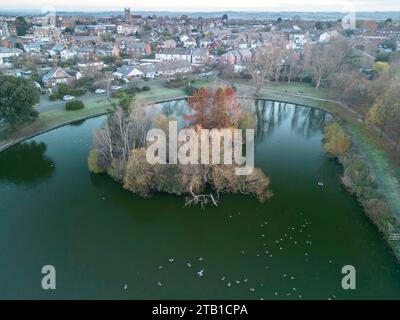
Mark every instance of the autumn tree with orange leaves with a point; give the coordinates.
(214, 109)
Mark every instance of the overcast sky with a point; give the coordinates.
(207, 5)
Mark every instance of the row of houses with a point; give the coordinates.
(237, 56)
(153, 69)
(195, 56)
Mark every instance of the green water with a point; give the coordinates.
(100, 237)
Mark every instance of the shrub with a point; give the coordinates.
(85, 83)
(359, 180)
(93, 162)
(74, 105)
(379, 212)
(247, 120)
(54, 97)
(337, 143)
(175, 83)
(357, 177)
(64, 90)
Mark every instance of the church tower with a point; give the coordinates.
(127, 15)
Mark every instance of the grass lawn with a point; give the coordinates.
(162, 93)
(54, 118)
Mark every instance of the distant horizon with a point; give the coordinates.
(36, 10)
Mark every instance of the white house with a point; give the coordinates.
(183, 37)
(6, 53)
(190, 43)
(329, 36)
(127, 29)
(68, 54)
(34, 47)
(121, 29)
(298, 39)
(200, 56)
(175, 54)
(128, 72)
(149, 70)
(205, 43)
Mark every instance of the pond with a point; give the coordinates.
(102, 238)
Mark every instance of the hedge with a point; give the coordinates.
(74, 105)
(64, 90)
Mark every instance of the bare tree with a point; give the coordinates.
(321, 65)
(291, 66)
(327, 59)
(263, 65)
(123, 131)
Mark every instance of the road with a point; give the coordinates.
(46, 105)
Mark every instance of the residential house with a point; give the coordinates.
(90, 68)
(128, 72)
(328, 36)
(137, 50)
(127, 29)
(84, 40)
(298, 39)
(237, 56)
(34, 47)
(170, 68)
(121, 41)
(104, 51)
(183, 38)
(174, 54)
(56, 49)
(167, 44)
(56, 76)
(200, 56)
(240, 41)
(46, 32)
(4, 32)
(205, 43)
(68, 54)
(190, 42)
(246, 54)
(149, 70)
(228, 57)
(85, 52)
(7, 53)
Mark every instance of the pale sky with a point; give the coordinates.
(207, 5)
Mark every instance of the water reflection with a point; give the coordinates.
(26, 163)
(271, 115)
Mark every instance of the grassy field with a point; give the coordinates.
(161, 93)
(52, 119)
(291, 88)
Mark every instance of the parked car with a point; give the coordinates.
(68, 98)
(99, 91)
(115, 88)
